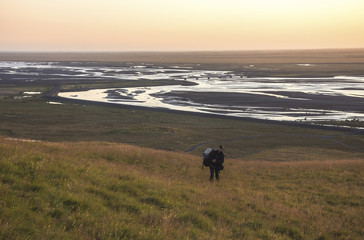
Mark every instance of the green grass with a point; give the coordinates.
(34, 118)
(101, 190)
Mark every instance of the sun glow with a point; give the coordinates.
(180, 25)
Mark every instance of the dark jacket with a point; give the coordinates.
(214, 154)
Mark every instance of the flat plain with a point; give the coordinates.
(68, 169)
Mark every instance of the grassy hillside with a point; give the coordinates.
(101, 190)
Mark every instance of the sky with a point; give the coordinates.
(180, 25)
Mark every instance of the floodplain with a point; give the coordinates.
(68, 166)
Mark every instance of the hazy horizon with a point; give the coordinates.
(179, 26)
(179, 51)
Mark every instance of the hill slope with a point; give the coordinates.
(99, 190)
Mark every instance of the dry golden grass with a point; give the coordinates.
(99, 190)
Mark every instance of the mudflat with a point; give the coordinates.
(325, 62)
(277, 85)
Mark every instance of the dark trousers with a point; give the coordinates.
(216, 171)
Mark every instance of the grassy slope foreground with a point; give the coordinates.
(99, 190)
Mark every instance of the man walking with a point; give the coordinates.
(217, 158)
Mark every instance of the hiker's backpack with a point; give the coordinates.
(206, 161)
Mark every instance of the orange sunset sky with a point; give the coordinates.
(179, 25)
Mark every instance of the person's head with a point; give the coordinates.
(220, 149)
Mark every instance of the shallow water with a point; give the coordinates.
(214, 92)
(167, 97)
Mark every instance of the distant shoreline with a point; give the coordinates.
(349, 55)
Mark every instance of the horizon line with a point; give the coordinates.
(175, 51)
